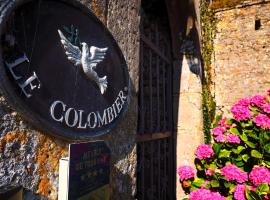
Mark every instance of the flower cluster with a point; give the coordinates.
(185, 172)
(204, 194)
(266, 108)
(262, 121)
(218, 131)
(220, 136)
(257, 100)
(243, 102)
(239, 192)
(259, 174)
(231, 172)
(204, 151)
(236, 165)
(234, 139)
(240, 112)
(223, 123)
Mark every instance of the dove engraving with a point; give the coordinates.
(88, 58)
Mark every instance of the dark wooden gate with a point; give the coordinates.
(156, 151)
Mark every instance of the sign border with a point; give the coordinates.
(34, 119)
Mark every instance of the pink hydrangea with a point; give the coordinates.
(234, 139)
(259, 174)
(240, 112)
(209, 172)
(244, 102)
(222, 123)
(262, 121)
(266, 108)
(204, 151)
(239, 192)
(218, 130)
(257, 100)
(185, 172)
(220, 138)
(231, 172)
(205, 194)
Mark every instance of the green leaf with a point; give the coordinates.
(251, 195)
(217, 147)
(244, 137)
(246, 157)
(251, 144)
(239, 164)
(266, 163)
(262, 188)
(243, 124)
(256, 154)
(267, 148)
(192, 188)
(228, 184)
(224, 153)
(254, 135)
(234, 131)
(185, 199)
(212, 166)
(266, 136)
(239, 158)
(229, 121)
(214, 183)
(239, 149)
(229, 197)
(198, 182)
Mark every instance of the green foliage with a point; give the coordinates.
(208, 26)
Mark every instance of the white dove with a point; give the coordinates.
(87, 58)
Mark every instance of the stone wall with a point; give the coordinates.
(31, 158)
(241, 60)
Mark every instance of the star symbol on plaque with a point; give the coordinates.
(87, 58)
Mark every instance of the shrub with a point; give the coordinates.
(236, 164)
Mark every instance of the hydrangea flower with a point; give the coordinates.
(259, 174)
(218, 130)
(266, 108)
(239, 192)
(234, 139)
(185, 172)
(244, 102)
(240, 112)
(262, 121)
(257, 100)
(204, 194)
(204, 151)
(231, 172)
(209, 172)
(220, 138)
(222, 123)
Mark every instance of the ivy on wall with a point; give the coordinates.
(208, 27)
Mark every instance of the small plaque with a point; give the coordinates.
(89, 171)
(61, 68)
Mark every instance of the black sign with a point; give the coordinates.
(62, 68)
(89, 171)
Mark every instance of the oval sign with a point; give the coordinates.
(61, 68)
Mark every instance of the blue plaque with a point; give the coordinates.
(89, 171)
